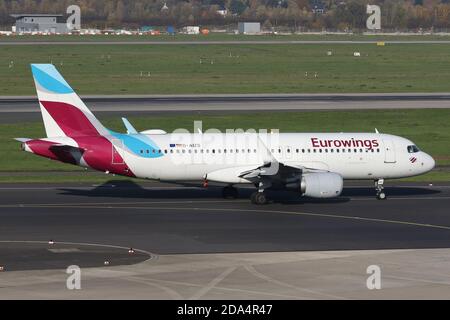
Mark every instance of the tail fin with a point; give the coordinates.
(63, 112)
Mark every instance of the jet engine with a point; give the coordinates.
(321, 184)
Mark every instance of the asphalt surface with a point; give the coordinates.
(166, 219)
(20, 109)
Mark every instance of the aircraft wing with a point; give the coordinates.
(277, 170)
(273, 170)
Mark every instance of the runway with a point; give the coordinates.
(186, 236)
(20, 109)
(189, 243)
(169, 219)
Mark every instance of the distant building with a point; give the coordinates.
(222, 11)
(318, 7)
(191, 30)
(39, 23)
(249, 27)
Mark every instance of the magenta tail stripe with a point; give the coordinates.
(71, 120)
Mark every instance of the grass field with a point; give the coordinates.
(428, 128)
(190, 69)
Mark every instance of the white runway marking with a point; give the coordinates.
(212, 284)
(260, 275)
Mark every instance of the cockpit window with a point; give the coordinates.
(413, 149)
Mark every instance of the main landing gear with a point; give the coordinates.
(259, 197)
(379, 188)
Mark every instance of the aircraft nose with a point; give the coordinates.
(428, 162)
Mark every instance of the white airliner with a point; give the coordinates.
(312, 164)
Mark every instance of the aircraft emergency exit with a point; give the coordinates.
(312, 164)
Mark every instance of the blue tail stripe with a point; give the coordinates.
(49, 78)
(136, 143)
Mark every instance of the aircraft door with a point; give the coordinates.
(118, 153)
(389, 151)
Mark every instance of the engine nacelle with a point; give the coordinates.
(321, 184)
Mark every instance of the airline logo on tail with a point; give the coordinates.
(74, 135)
(63, 112)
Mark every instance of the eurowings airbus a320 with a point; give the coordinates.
(313, 164)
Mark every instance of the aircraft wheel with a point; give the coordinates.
(381, 196)
(258, 198)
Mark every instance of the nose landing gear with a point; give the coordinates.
(379, 188)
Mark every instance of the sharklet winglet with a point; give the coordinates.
(129, 126)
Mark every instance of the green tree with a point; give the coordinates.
(237, 7)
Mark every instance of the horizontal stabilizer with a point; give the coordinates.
(22, 139)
